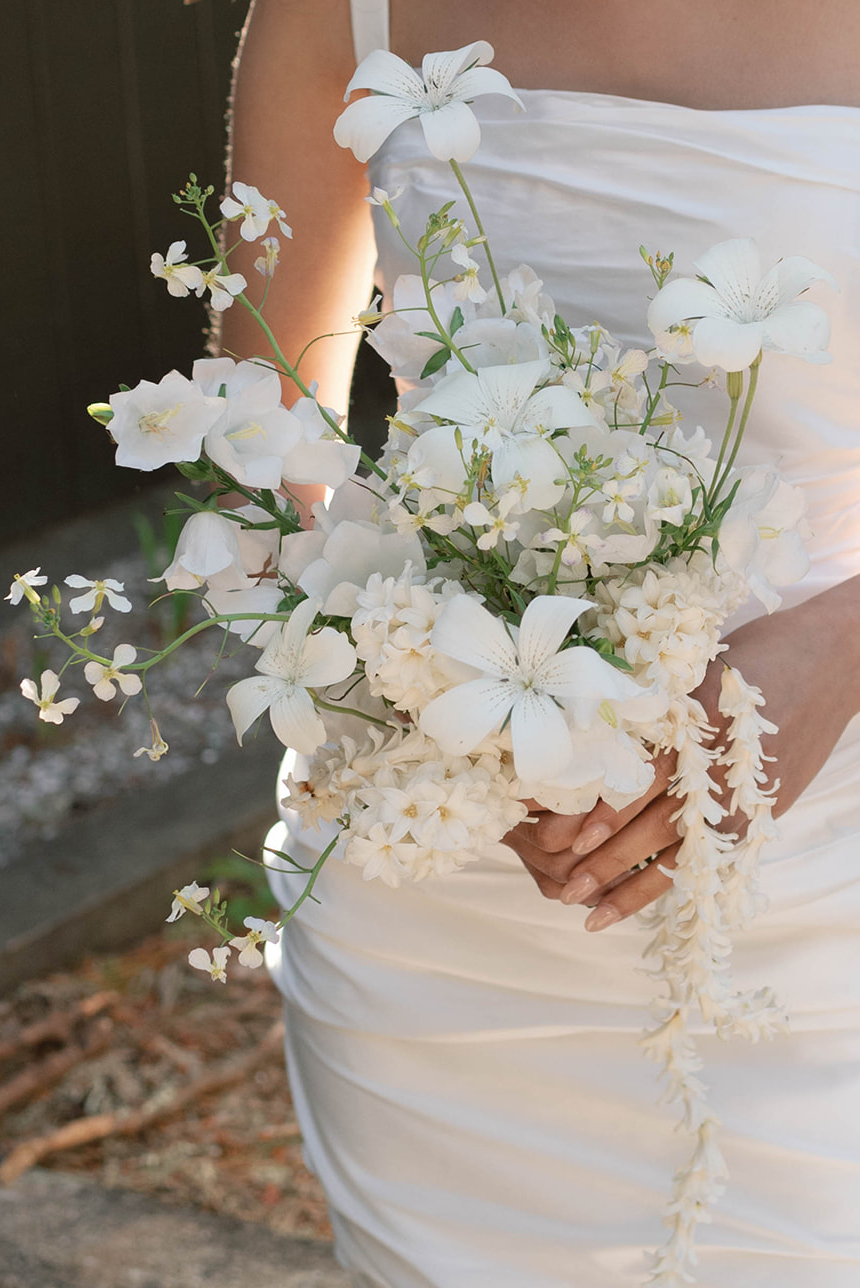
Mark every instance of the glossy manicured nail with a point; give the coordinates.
(578, 887)
(590, 837)
(604, 915)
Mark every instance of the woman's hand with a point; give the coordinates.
(806, 661)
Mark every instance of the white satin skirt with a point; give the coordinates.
(465, 1064)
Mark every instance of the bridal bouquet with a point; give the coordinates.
(517, 601)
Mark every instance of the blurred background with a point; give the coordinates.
(105, 108)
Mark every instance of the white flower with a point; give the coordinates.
(761, 535)
(293, 662)
(22, 587)
(502, 409)
(577, 537)
(104, 678)
(154, 424)
(223, 287)
(186, 900)
(49, 710)
(99, 591)
(157, 748)
(738, 311)
(499, 525)
(320, 456)
(208, 543)
(255, 433)
(380, 197)
(521, 678)
(438, 97)
(255, 211)
(258, 930)
(467, 287)
(181, 278)
(268, 262)
(216, 966)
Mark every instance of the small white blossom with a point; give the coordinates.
(467, 287)
(255, 211)
(98, 592)
(157, 748)
(499, 524)
(104, 678)
(223, 287)
(258, 930)
(22, 587)
(181, 278)
(49, 710)
(187, 899)
(268, 261)
(216, 965)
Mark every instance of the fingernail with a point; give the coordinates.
(578, 887)
(604, 915)
(590, 837)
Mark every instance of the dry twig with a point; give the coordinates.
(55, 1066)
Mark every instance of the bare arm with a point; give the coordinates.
(296, 60)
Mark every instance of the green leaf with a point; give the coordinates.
(436, 362)
(456, 320)
(194, 470)
(432, 335)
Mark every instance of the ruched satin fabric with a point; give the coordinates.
(463, 1056)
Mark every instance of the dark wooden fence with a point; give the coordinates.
(106, 106)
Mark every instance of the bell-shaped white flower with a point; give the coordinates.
(155, 424)
(523, 675)
(737, 311)
(291, 663)
(208, 543)
(49, 710)
(439, 97)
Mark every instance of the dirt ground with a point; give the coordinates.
(171, 1084)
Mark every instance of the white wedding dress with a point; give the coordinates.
(463, 1056)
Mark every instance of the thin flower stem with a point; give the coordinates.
(437, 322)
(308, 890)
(733, 409)
(655, 398)
(346, 711)
(745, 415)
(461, 179)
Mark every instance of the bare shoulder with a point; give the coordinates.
(310, 40)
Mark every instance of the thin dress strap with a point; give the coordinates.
(369, 26)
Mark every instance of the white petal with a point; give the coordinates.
(465, 630)
(535, 461)
(364, 126)
(722, 342)
(684, 298)
(544, 627)
(540, 737)
(557, 407)
(440, 71)
(249, 698)
(801, 329)
(734, 270)
(327, 658)
(461, 718)
(482, 80)
(124, 654)
(295, 721)
(786, 280)
(199, 959)
(582, 673)
(385, 73)
(451, 132)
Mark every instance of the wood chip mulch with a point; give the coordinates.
(144, 1074)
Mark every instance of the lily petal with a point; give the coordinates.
(545, 624)
(295, 721)
(684, 298)
(461, 718)
(385, 73)
(451, 132)
(540, 737)
(722, 342)
(801, 329)
(733, 268)
(440, 71)
(465, 630)
(248, 699)
(364, 126)
(327, 658)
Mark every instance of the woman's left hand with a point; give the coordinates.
(806, 661)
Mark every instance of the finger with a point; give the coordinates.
(558, 867)
(603, 821)
(648, 833)
(634, 894)
(549, 889)
(548, 831)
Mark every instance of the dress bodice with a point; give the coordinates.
(574, 184)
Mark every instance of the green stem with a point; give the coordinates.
(754, 366)
(346, 711)
(735, 397)
(461, 179)
(437, 322)
(655, 399)
(308, 890)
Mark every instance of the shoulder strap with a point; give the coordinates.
(369, 26)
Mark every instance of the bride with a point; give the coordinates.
(463, 1053)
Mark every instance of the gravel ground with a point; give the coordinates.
(53, 772)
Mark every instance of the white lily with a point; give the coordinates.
(49, 710)
(523, 675)
(502, 409)
(293, 662)
(438, 97)
(737, 311)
